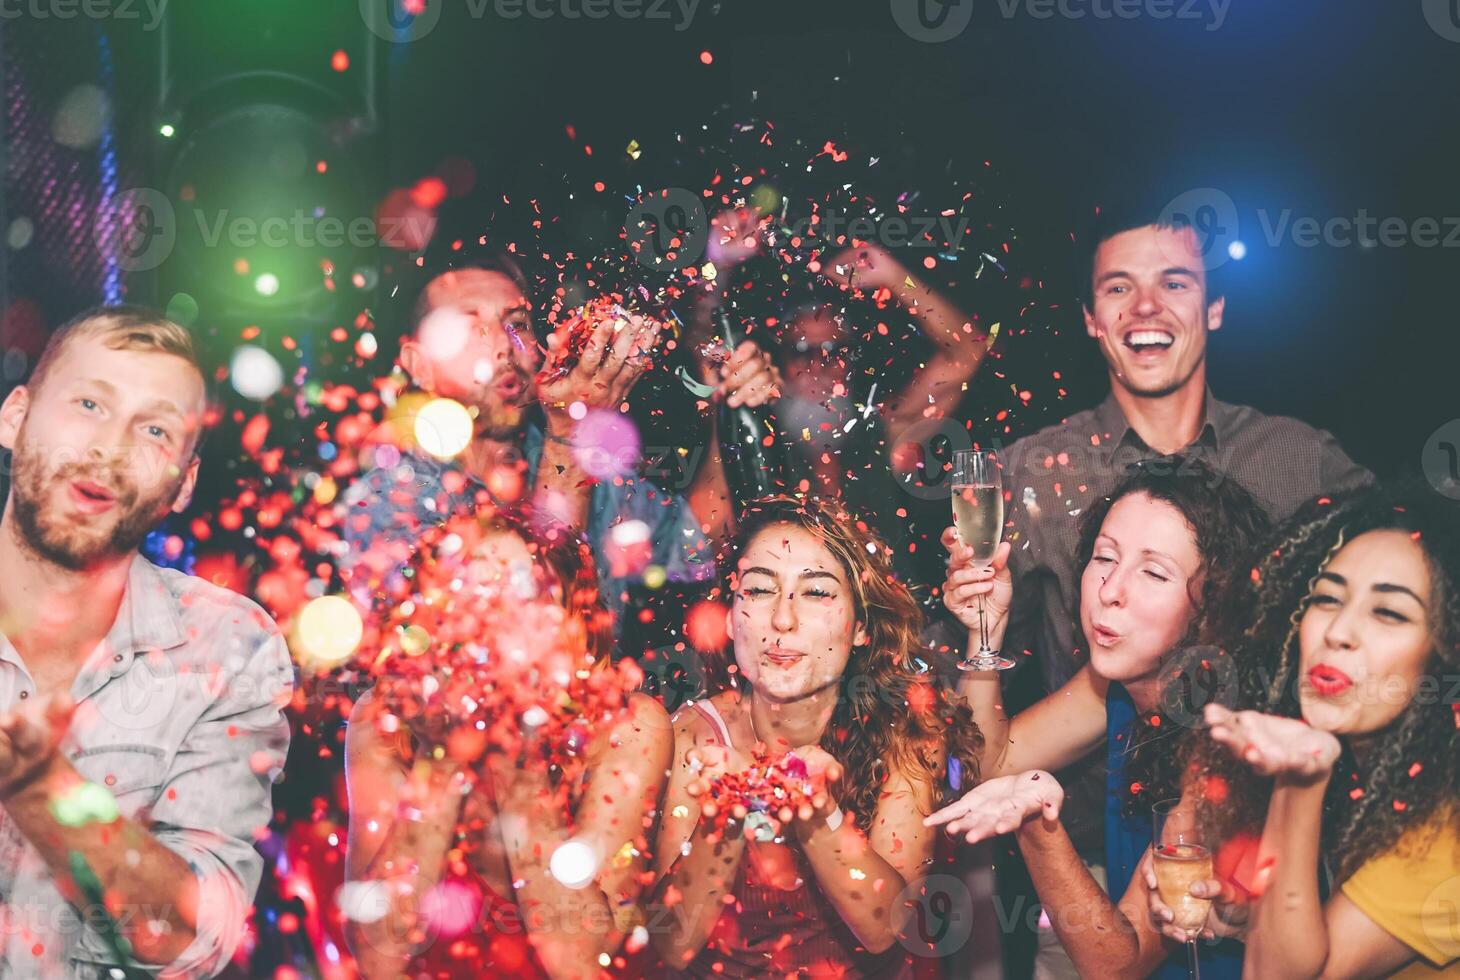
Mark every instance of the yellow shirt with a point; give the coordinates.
(1414, 896)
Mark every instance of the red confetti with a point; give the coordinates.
(705, 626)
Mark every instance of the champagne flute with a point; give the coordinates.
(1181, 858)
(978, 513)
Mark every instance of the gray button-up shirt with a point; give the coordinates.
(1054, 475)
(180, 716)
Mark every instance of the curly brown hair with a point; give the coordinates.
(1227, 524)
(1368, 808)
(889, 712)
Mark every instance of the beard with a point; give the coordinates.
(499, 422)
(74, 542)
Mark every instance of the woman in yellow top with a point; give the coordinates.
(1353, 642)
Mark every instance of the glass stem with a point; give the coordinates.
(1192, 960)
(983, 632)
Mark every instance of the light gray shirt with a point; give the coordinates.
(180, 717)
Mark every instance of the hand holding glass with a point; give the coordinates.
(978, 513)
(1181, 858)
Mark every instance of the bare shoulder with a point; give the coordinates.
(644, 711)
(641, 733)
(693, 727)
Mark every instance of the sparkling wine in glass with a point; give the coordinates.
(978, 514)
(1181, 858)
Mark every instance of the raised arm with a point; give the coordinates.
(749, 377)
(1055, 732)
(863, 875)
(1292, 933)
(937, 386)
(614, 820)
(695, 865)
(402, 822)
(609, 366)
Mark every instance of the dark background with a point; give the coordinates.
(1314, 106)
(1319, 108)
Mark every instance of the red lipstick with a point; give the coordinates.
(1329, 681)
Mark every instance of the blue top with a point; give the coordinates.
(1127, 835)
(402, 499)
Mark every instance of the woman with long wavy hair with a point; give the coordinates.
(824, 680)
(1345, 754)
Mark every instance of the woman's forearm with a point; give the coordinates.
(1288, 934)
(849, 870)
(408, 864)
(569, 928)
(689, 898)
(983, 690)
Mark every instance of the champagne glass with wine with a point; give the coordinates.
(978, 514)
(1181, 858)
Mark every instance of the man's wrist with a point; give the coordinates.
(1038, 833)
(558, 426)
(40, 786)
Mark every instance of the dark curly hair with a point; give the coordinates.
(889, 712)
(1368, 808)
(1228, 525)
